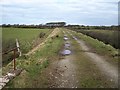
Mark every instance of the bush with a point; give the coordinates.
(41, 35)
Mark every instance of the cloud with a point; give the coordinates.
(91, 12)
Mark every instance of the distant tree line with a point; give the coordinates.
(62, 24)
(83, 27)
(23, 26)
(42, 26)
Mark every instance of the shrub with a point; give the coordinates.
(41, 35)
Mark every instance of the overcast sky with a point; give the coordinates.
(87, 12)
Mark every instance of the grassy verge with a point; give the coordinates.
(34, 64)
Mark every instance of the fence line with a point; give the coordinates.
(17, 48)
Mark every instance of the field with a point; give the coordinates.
(28, 38)
(107, 36)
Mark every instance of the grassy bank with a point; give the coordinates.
(107, 36)
(36, 63)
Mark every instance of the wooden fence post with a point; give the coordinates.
(14, 62)
(18, 47)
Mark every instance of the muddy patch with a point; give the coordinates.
(64, 74)
(67, 45)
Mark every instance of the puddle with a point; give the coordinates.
(75, 38)
(67, 45)
(65, 35)
(66, 52)
(65, 38)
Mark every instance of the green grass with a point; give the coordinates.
(107, 36)
(109, 32)
(28, 38)
(36, 63)
(25, 36)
